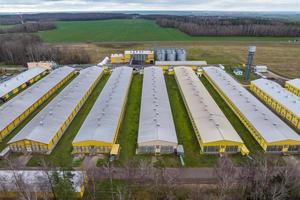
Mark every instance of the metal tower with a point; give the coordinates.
(251, 52)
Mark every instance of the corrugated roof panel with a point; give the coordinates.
(270, 126)
(102, 122)
(289, 100)
(46, 123)
(19, 80)
(210, 121)
(156, 120)
(20, 103)
(180, 63)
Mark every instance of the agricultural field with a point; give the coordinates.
(281, 58)
(128, 31)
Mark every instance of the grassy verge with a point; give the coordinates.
(129, 130)
(130, 125)
(61, 155)
(246, 136)
(185, 133)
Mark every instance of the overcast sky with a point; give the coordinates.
(109, 5)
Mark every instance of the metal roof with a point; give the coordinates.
(102, 122)
(19, 80)
(180, 63)
(46, 123)
(270, 126)
(286, 98)
(36, 180)
(209, 120)
(295, 83)
(156, 120)
(20, 103)
(139, 52)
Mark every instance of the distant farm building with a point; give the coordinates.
(238, 72)
(170, 64)
(133, 57)
(46, 65)
(260, 69)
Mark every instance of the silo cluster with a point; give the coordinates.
(170, 54)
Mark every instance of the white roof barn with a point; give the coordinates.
(289, 100)
(210, 122)
(101, 124)
(156, 126)
(19, 80)
(44, 126)
(269, 126)
(23, 101)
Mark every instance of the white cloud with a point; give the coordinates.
(105, 5)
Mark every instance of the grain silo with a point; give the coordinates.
(180, 54)
(171, 55)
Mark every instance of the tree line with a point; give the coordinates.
(20, 48)
(262, 177)
(31, 27)
(228, 26)
(17, 19)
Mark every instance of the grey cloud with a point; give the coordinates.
(90, 5)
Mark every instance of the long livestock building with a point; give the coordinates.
(281, 100)
(43, 132)
(14, 111)
(213, 130)
(99, 131)
(269, 130)
(293, 86)
(157, 132)
(19, 82)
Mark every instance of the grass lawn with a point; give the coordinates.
(185, 132)
(128, 30)
(246, 136)
(61, 155)
(129, 128)
(3, 144)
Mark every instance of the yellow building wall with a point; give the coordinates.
(95, 143)
(13, 124)
(248, 125)
(18, 89)
(276, 106)
(222, 144)
(292, 89)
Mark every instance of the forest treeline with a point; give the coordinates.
(16, 19)
(20, 48)
(228, 26)
(31, 27)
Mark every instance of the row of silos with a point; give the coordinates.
(170, 54)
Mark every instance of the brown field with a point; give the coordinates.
(281, 58)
